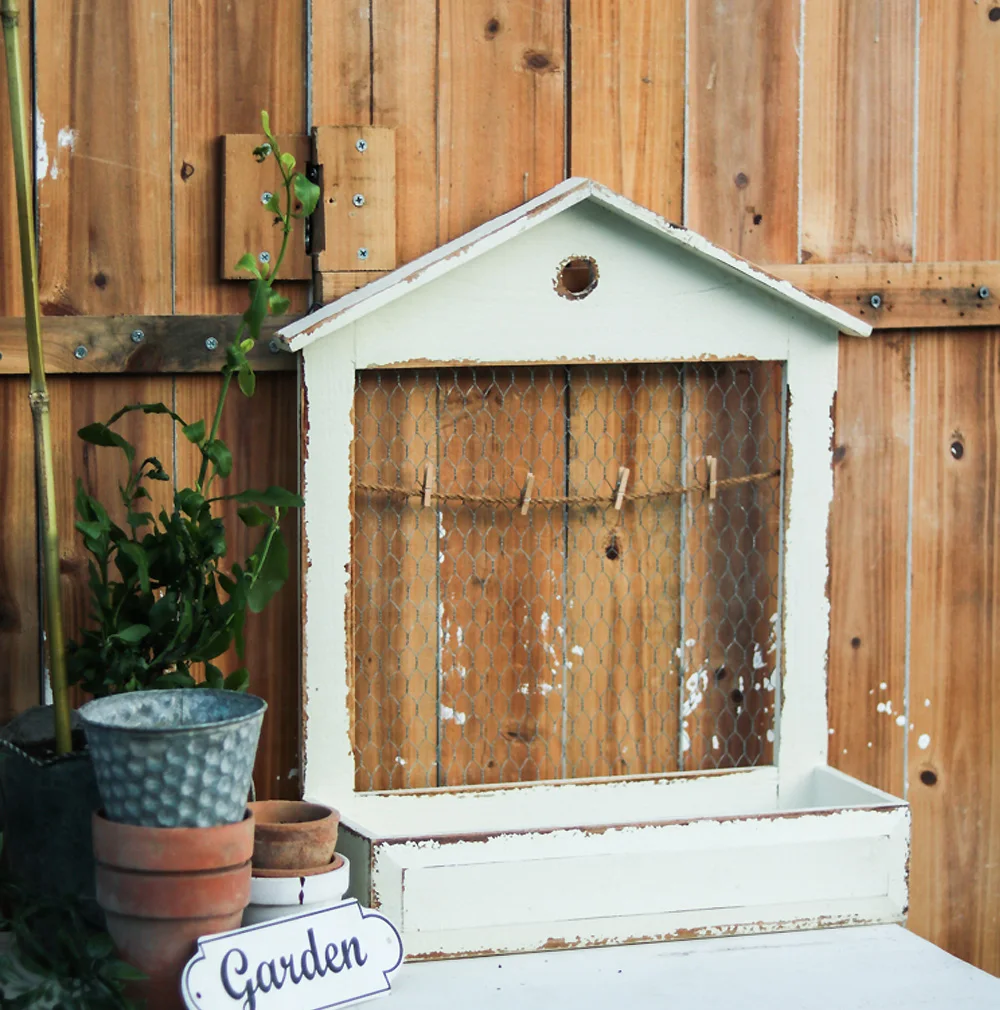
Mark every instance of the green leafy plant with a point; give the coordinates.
(161, 600)
(55, 960)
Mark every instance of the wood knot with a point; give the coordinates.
(492, 28)
(187, 170)
(839, 453)
(100, 280)
(742, 180)
(10, 615)
(537, 61)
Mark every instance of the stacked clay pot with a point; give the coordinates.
(294, 864)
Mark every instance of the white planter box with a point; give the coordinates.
(840, 857)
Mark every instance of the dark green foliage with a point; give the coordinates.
(161, 602)
(56, 961)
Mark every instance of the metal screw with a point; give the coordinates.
(361, 144)
(80, 353)
(359, 200)
(362, 253)
(273, 346)
(211, 343)
(265, 196)
(984, 292)
(875, 301)
(264, 257)
(137, 336)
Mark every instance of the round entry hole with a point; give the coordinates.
(577, 277)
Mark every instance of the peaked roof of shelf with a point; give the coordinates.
(454, 254)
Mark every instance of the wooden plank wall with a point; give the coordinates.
(788, 130)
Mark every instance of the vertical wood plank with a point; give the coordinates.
(502, 632)
(103, 156)
(263, 436)
(743, 91)
(622, 610)
(341, 62)
(953, 768)
(19, 616)
(11, 297)
(405, 96)
(857, 131)
(628, 99)
(395, 560)
(230, 61)
(868, 564)
(501, 69)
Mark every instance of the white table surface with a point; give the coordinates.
(850, 968)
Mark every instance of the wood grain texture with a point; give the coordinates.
(405, 96)
(167, 344)
(868, 564)
(627, 99)
(501, 68)
(230, 61)
(743, 97)
(11, 296)
(103, 156)
(953, 764)
(857, 131)
(909, 295)
(341, 62)
(955, 886)
(337, 283)
(262, 433)
(357, 236)
(19, 616)
(247, 227)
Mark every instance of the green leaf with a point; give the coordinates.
(137, 556)
(139, 518)
(276, 497)
(140, 492)
(247, 345)
(189, 501)
(278, 304)
(252, 516)
(218, 452)
(176, 678)
(257, 310)
(213, 676)
(273, 205)
(124, 972)
(307, 193)
(238, 680)
(265, 123)
(287, 160)
(248, 263)
(132, 634)
(194, 432)
(99, 945)
(271, 575)
(247, 380)
(101, 434)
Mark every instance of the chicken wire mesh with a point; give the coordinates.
(498, 639)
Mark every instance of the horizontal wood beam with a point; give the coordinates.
(137, 344)
(905, 295)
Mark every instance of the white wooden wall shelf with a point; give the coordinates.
(521, 867)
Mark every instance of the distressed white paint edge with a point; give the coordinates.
(452, 255)
(485, 866)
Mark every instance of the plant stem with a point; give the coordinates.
(39, 394)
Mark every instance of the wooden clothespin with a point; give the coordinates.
(526, 494)
(713, 475)
(428, 484)
(622, 484)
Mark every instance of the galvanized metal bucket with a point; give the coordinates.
(174, 759)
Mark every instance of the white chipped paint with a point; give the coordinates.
(543, 209)
(927, 703)
(900, 720)
(924, 741)
(715, 742)
(41, 148)
(449, 714)
(67, 138)
(694, 692)
(883, 686)
(770, 736)
(759, 662)
(577, 650)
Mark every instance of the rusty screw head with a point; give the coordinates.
(359, 200)
(361, 144)
(984, 292)
(211, 343)
(875, 301)
(137, 336)
(80, 353)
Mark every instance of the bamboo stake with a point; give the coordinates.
(39, 393)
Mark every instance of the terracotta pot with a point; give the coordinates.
(162, 888)
(293, 835)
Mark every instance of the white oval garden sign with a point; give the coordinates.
(309, 961)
